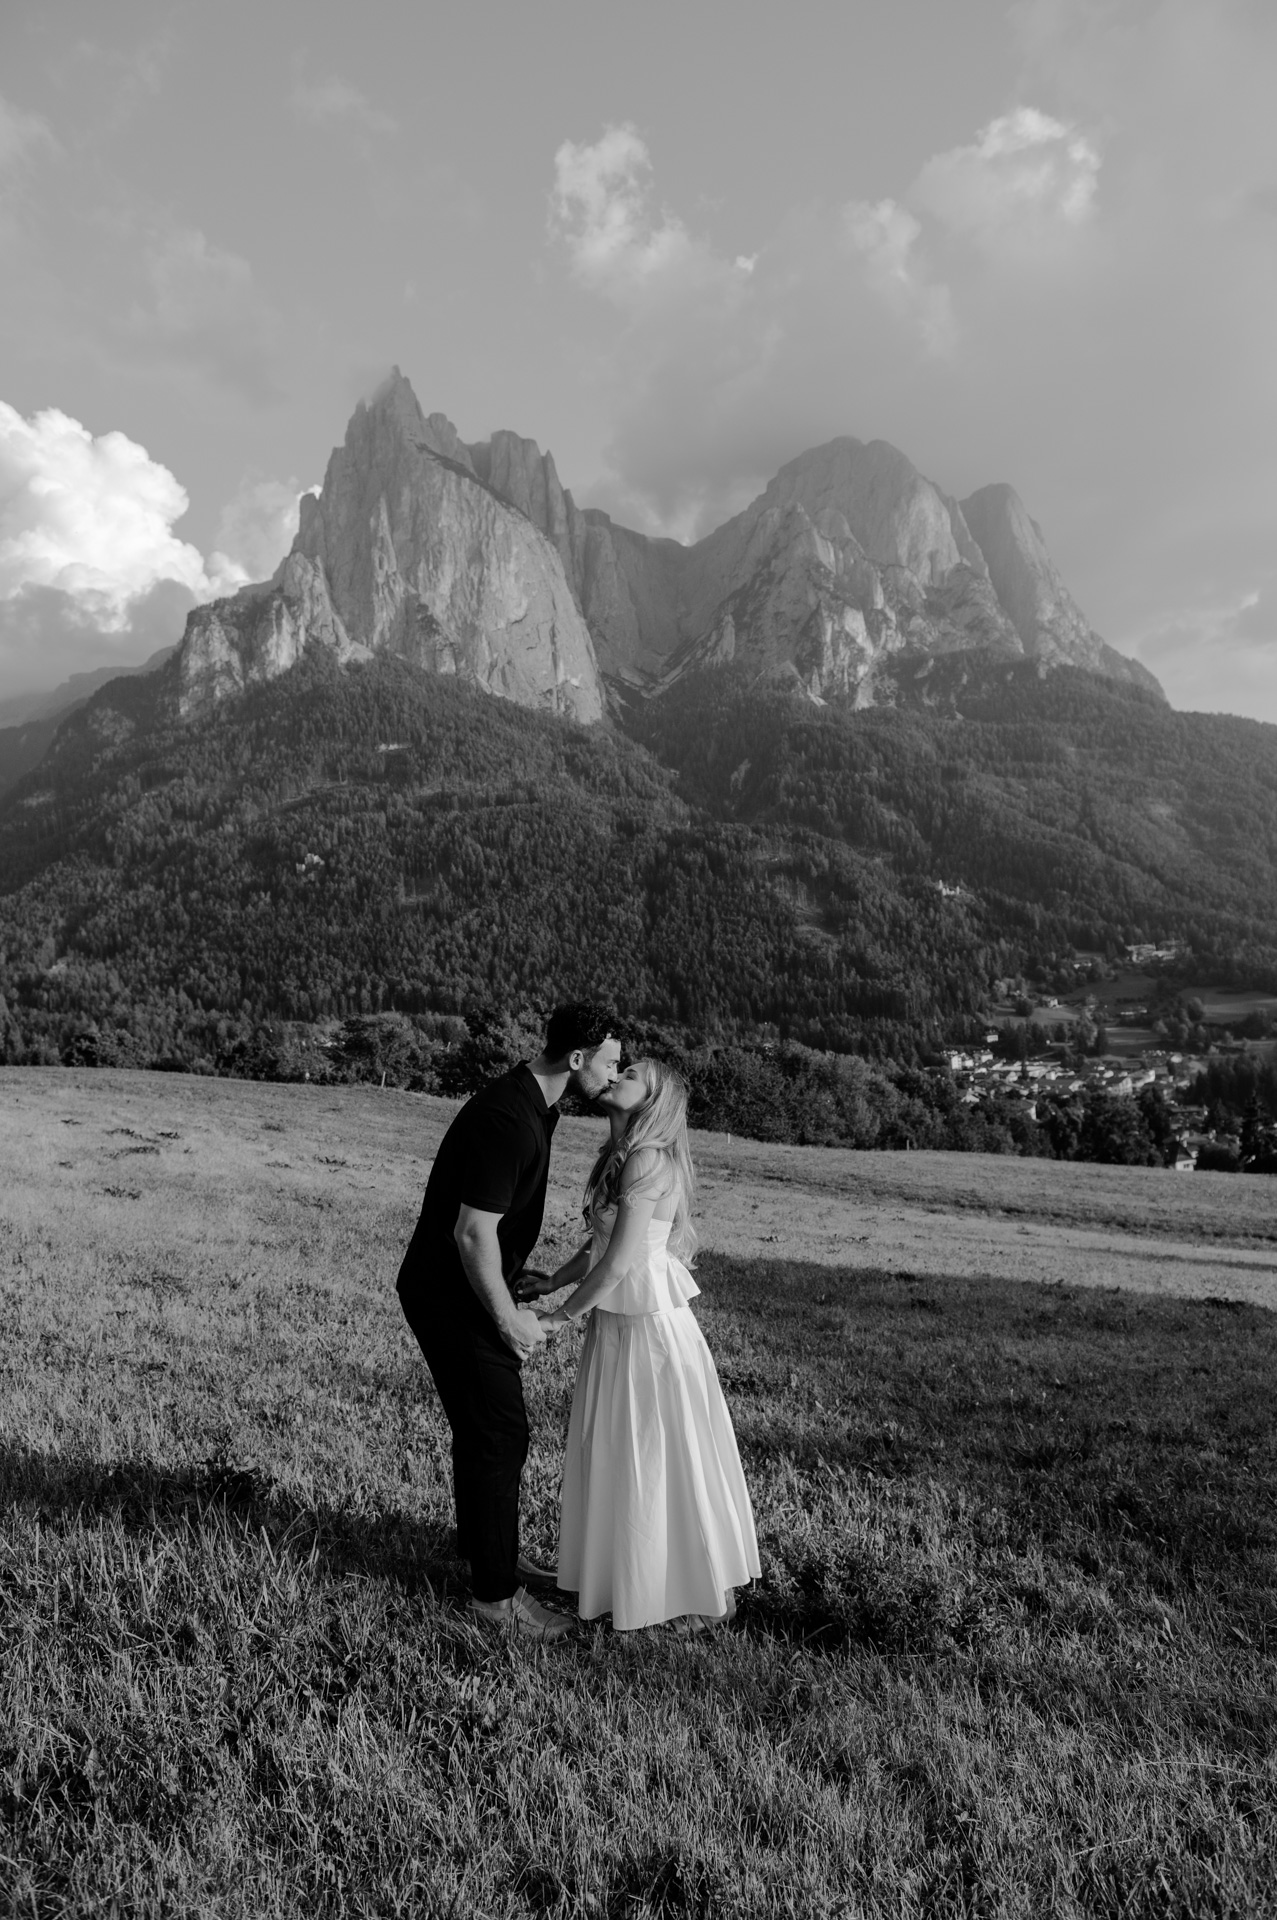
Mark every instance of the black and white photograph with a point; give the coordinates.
(638, 960)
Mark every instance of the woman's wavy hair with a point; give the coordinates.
(659, 1126)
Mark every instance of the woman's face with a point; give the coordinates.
(625, 1093)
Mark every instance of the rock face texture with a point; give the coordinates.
(625, 584)
(1043, 612)
(848, 559)
(475, 560)
(407, 551)
(258, 633)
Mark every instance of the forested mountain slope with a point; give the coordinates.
(345, 841)
(1072, 811)
(380, 837)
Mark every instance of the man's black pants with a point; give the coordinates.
(481, 1386)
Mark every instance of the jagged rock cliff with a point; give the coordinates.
(406, 550)
(625, 584)
(475, 560)
(846, 559)
(1043, 612)
(849, 558)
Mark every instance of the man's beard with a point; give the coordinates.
(582, 1084)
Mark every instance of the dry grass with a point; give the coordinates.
(1011, 1654)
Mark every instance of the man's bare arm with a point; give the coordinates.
(476, 1236)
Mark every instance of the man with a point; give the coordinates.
(479, 1222)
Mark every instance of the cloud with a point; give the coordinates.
(204, 310)
(715, 348)
(1080, 299)
(22, 134)
(334, 102)
(619, 243)
(125, 77)
(690, 344)
(91, 570)
(1024, 174)
(93, 517)
(256, 529)
(887, 235)
(48, 634)
(1219, 656)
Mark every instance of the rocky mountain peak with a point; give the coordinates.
(407, 550)
(898, 517)
(474, 559)
(394, 412)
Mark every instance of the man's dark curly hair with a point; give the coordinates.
(583, 1024)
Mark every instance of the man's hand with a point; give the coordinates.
(530, 1284)
(522, 1332)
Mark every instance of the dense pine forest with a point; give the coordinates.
(377, 871)
(1073, 812)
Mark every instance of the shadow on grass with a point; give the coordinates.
(1131, 1439)
(992, 1517)
(148, 1498)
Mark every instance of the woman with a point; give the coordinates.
(656, 1522)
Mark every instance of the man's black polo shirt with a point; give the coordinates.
(495, 1157)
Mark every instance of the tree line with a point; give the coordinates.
(331, 874)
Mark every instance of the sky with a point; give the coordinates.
(677, 244)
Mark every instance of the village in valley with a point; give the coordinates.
(1119, 1029)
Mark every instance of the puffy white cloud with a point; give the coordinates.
(90, 568)
(90, 516)
(602, 206)
(256, 529)
(334, 102)
(1025, 173)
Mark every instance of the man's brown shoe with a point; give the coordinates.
(524, 1616)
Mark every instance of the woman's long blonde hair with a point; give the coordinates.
(659, 1126)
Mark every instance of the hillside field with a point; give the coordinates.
(1010, 1433)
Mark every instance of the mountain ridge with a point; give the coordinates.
(473, 559)
(891, 543)
(404, 550)
(29, 723)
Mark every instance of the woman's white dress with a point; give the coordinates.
(656, 1520)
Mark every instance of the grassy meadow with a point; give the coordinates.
(1013, 1652)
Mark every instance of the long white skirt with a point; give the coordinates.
(656, 1520)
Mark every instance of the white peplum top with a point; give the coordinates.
(657, 1282)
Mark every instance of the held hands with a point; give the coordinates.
(523, 1332)
(530, 1284)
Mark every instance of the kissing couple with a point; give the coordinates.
(655, 1519)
